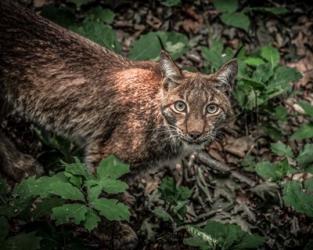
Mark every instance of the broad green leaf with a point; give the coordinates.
(111, 209)
(307, 107)
(281, 149)
(172, 193)
(304, 132)
(254, 61)
(148, 46)
(281, 113)
(77, 168)
(4, 228)
(216, 235)
(238, 20)
(263, 73)
(273, 172)
(305, 157)
(92, 220)
(226, 5)
(66, 191)
(22, 241)
(283, 76)
(107, 185)
(111, 168)
(69, 213)
(299, 196)
(99, 14)
(46, 186)
(171, 3)
(99, 33)
(271, 55)
(175, 43)
(215, 54)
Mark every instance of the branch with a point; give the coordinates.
(222, 168)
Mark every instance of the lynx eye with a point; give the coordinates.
(180, 106)
(212, 109)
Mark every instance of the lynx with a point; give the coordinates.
(143, 112)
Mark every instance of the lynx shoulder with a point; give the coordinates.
(140, 111)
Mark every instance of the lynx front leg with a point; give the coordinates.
(15, 164)
(94, 154)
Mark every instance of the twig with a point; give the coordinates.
(218, 166)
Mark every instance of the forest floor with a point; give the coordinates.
(224, 182)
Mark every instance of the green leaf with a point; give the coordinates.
(69, 213)
(271, 55)
(76, 169)
(305, 157)
(171, 3)
(304, 132)
(307, 107)
(66, 191)
(254, 61)
(111, 209)
(226, 5)
(46, 186)
(281, 149)
(214, 55)
(172, 193)
(107, 185)
(99, 33)
(175, 43)
(238, 20)
(148, 46)
(273, 172)
(216, 235)
(92, 220)
(22, 241)
(112, 168)
(99, 14)
(4, 226)
(281, 113)
(299, 196)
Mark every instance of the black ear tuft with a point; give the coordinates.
(168, 67)
(226, 75)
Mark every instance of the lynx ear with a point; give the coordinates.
(168, 67)
(226, 75)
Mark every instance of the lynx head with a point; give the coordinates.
(195, 105)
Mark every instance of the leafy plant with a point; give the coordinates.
(239, 18)
(306, 130)
(299, 196)
(216, 235)
(148, 46)
(78, 195)
(260, 79)
(176, 197)
(95, 24)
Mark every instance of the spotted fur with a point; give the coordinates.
(109, 104)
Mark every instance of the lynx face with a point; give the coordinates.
(195, 105)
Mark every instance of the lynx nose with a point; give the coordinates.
(195, 135)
